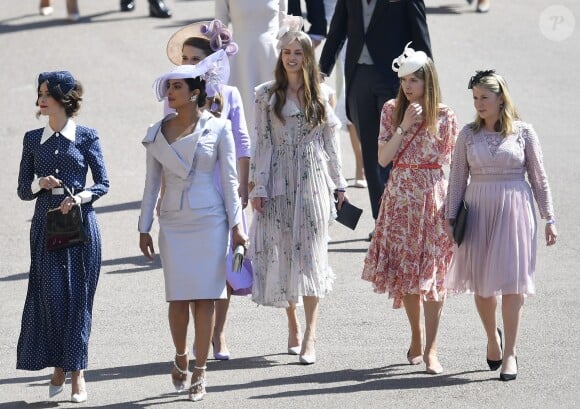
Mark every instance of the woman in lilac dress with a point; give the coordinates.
(498, 252)
(190, 45)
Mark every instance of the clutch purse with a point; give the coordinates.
(238, 258)
(460, 222)
(64, 230)
(348, 215)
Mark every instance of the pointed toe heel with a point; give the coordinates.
(506, 377)
(307, 359)
(54, 390)
(79, 397)
(220, 356)
(495, 365)
(414, 360)
(294, 350)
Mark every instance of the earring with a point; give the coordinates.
(193, 98)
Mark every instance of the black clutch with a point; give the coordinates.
(348, 214)
(460, 223)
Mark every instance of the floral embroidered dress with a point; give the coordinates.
(296, 167)
(410, 252)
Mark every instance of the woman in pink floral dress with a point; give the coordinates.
(410, 252)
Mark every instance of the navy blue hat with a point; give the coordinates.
(59, 83)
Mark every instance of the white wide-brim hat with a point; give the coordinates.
(213, 69)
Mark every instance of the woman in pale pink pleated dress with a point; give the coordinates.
(498, 252)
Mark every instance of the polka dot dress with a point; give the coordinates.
(56, 322)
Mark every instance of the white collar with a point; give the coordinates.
(68, 131)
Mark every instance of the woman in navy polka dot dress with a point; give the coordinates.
(56, 322)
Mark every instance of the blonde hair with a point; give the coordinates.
(507, 114)
(432, 98)
(314, 109)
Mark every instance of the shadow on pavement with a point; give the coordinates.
(447, 9)
(371, 379)
(15, 277)
(385, 378)
(140, 263)
(120, 207)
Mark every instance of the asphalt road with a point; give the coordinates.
(361, 340)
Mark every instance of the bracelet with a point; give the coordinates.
(551, 221)
(340, 189)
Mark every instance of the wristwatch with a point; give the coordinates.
(399, 131)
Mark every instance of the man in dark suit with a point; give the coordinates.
(377, 32)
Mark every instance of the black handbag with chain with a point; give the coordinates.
(64, 230)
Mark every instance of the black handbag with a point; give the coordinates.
(348, 214)
(460, 223)
(64, 230)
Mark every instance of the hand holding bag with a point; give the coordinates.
(238, 258)
(64, 230)
(348, 214)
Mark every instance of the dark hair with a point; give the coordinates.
(199, 42)
(71, 101)
(203, 44)
(197, 83)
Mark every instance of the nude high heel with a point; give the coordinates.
(197, 389)
(179, 384)
(54, 390)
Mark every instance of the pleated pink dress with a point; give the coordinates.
(498, 253)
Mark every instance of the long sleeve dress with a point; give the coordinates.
(56, 322)
(498, 252)
(410, 252)
(296, 167)
(195, 218)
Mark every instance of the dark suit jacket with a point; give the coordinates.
(394, 23)
(315, 14)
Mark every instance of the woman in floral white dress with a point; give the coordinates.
(410, 253)
(294, 171)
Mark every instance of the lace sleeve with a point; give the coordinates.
(332, 148)
(458, 174)
(385, 131)
(262, 152)
(536, 172)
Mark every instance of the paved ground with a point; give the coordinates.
(362, 341)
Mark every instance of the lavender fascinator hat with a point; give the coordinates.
(215, 31)
(214, 69)
(409, 62)
(290, 29)
(59, 83)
